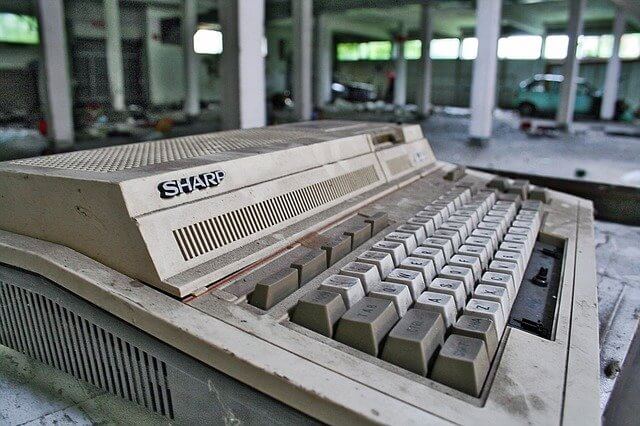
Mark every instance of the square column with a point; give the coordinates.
(426, 34)
(485, 67)
(114, 54)
(400, 63)
(242, 64)
(324, 61)
(612, 77)
(302, 16)
(566, 108)
(56, 69)
(191, 62)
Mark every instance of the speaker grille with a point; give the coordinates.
(202, 237)
(42, 329)
(123, 157)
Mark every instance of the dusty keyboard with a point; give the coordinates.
(434, 296)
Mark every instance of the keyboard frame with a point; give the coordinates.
(331, 382)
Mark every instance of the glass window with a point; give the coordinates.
(469, 48)
(18, 28)
(605, 48)
(555, 46)
(412, 49)
(630, 46)
(519, 47)
(207, 41)
(588, 46)
(378, 50)
(444, 48)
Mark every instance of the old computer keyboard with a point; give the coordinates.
(333, 267)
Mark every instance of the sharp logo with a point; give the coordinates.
(174, 188)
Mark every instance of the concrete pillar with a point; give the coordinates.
(400, 65)
(566, 107)
(483, 84)
(115, 69)
(426, 33)
(191, 62)
(612, 77)
(242, 64)
(324, 61)
(56, 68)
(302, 15)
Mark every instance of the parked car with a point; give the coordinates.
(354, 91)
(540, 96)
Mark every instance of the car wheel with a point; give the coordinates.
(526, 109)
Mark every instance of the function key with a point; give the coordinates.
(274, 288)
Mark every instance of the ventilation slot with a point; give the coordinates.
(123, 157)
(399, 164)
(48, 332)
(203, 237)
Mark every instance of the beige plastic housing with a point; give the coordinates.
(118, 206)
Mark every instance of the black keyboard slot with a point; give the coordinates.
(534, 309)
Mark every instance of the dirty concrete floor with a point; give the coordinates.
(604, 158)
(33, 393)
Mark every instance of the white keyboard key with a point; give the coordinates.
(507, 268)
(487, 233)
(408, 240)
(511, 256)
(412, 279)
(440, 243)
(350, 288)
(434, 254)
(483, 242)
(514, 230)
(449, 205)
(418, 231)
(471, 214)
(517, 247)
(466, 220)
(518, 238)
(470, 262)
(498, 213)
(499, 279)
(454, 288)
(494, 294)
(395, 249)
(399, 294)
(383, 261)
(366, 272)
(440, 303)
(477, 251)
(499, 220)
(459, 273)
(458, 227)
(487, 309)
(452, 236)
(492, 226)
(428, 224)
(422, 265)
(432, 214)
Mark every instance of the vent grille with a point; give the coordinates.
(123, 157)
(44, 330)
(202, 237)
(399, 164)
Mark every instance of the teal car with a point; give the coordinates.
(540, 95)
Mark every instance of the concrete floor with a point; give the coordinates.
(32, 393)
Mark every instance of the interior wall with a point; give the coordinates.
(452, 78)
